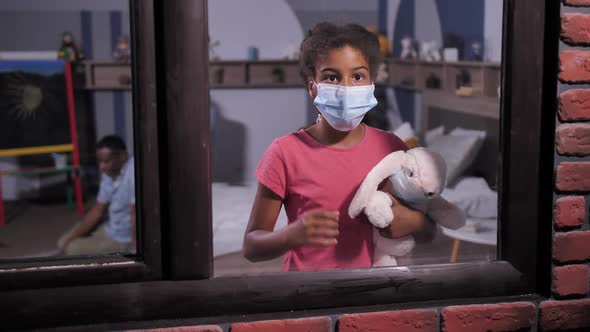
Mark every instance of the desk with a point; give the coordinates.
(480, 231)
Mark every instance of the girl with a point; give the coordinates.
(316, 171)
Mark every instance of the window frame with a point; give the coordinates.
(172, 101)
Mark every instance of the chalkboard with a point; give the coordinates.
(33, 104)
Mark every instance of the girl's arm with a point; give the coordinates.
(262, 242)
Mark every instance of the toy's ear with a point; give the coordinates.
(388, 166)
(446, 213)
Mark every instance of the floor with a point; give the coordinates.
(436, 252)
(32, 230)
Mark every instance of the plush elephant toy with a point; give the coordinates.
(418, 178)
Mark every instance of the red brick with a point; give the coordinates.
(489, 317)
(573, 139)
(573, 176)
(405, 321)
(570, 280)
(574, 105)
(574, 66)
(565, 315)
(203, 328)
(569, 212)
(577, 3)
(575, 28)
(571, 246)
(316, 324)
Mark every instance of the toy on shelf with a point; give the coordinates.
(69, 50)
(252, 54)
(122, 52)
(430, 51)
(409, 49)
(291, 52)
(213, 43)
(382, 74)
(468, 91)
(476, 52)
(384, 48)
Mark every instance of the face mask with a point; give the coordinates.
(406, 190)
(344, 106)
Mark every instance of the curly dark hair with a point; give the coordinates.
(112, 142)
(326, 36)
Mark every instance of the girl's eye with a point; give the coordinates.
(332, 78)
(358, 77)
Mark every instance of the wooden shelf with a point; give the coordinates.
(254, 74)
(102, 75)
(444, 76)
(406, 74)
(481, 106)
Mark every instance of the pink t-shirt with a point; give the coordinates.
(308, 175)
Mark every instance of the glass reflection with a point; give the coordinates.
(66, 138)
(436, 85)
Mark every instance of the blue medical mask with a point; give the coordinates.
(405, 190)
(344, 106)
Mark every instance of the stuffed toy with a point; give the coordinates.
(418, 178)
(409, 49)
(430, 51)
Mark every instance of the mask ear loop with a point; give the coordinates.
(319, 118)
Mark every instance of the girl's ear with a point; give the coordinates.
(311, 88)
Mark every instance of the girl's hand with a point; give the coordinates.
(315, 228)
(405, 221)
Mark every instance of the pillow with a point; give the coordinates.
(474, 196)
(432, 134)
(458, 151)
(480, 134)
(406, 134)
(468, 132)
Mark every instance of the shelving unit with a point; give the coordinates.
(254, 74)
(405, 74)
(104, 75)
(414, 75)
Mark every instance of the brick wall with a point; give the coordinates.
(569, 307)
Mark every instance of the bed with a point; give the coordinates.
(476, 113)
(475, 186)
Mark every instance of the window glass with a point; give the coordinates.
(274, 161)
(66, 129)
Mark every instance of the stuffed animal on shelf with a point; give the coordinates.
(384, 47)
(418, 178)
(69, 50)
(409, 49)
(122, 51)
(430, 51)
